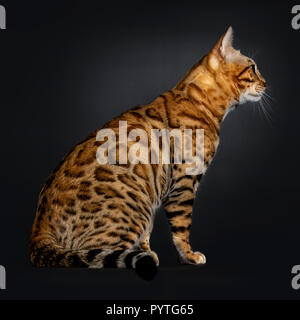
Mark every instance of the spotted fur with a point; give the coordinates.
(92, 215)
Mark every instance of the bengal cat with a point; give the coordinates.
(92, 215)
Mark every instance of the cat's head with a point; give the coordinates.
(239, 69)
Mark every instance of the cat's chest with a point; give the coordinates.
(215, 149)
(210, 154)
(216, 145)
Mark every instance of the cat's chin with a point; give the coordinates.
(254, 97)
(249, 97)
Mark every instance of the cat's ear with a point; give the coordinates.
(222, 49)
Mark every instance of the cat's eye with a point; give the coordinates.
(253, 68)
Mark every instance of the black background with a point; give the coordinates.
(68, 67)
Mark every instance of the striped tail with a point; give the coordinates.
(49, 255)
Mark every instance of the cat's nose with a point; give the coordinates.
(265, 84)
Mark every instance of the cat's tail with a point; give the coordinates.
(47, 254)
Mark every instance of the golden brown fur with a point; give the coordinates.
(88, 212)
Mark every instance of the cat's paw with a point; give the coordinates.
(199, 258)
(196, 258)
(155, 257)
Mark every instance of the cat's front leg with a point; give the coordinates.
(178, 206)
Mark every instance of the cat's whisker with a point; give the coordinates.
(261, 111)
(268, 95)
(266, 109)
(256, 109)
(268, 103)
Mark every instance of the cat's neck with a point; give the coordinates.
(209, 90)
